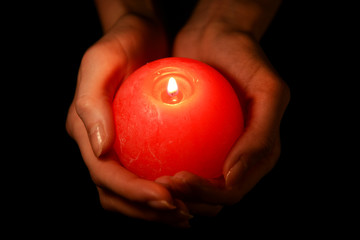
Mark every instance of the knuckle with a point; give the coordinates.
(73, 123)
(91, 55)
(268, 153)
(276, 84)
(285, 91)
(83, 104)
(96, 180)
(70, 120)
(264, 149)
(281, 90)
(265, 152)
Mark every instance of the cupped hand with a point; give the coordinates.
(264, 98)
(130, 43)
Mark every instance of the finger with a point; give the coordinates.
(112, 202)
(109, 174)
(193, 188)
(100, 74)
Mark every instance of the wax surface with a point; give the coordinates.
(158, 134)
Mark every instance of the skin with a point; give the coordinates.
(223, 34)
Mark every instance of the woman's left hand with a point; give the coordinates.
(264, 97)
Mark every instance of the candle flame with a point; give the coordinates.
(172, 87)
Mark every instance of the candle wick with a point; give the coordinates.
(173, 94)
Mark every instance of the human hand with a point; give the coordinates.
(131, 42)
(263, 96)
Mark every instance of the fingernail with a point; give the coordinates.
(227, 177)
(161, 204)
(97, 136)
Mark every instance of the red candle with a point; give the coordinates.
(176, 114)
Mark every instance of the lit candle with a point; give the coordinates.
(176, 114)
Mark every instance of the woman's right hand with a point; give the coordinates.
(130, 42)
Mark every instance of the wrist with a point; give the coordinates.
(249, 17)
(110, 11)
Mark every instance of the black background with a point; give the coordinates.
(49, 190)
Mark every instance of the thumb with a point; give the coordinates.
(257, 150)
(97, 118)
(99, 77)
